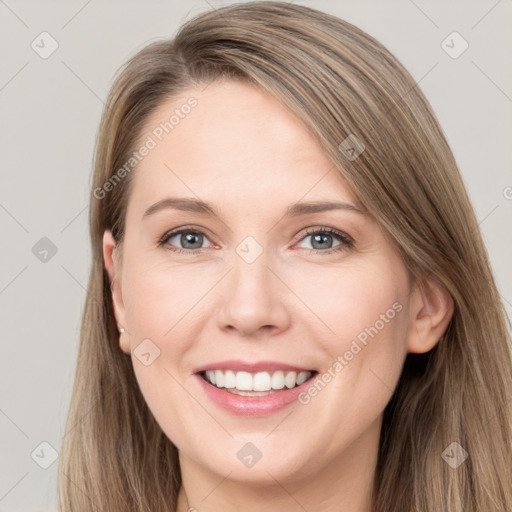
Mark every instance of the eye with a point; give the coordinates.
(191, 239)
(322, 240)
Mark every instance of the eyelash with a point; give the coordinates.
(346, 241)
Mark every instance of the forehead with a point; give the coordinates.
(236, 143)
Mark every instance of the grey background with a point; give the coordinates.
(50, 110)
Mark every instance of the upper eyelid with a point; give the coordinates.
(326, 229)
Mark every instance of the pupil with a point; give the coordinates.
(321, 237)
(189, 237)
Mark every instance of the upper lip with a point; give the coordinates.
(254, 367)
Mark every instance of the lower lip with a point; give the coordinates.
(252, 405)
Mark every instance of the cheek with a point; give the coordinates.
(365, 310)
(156, 299)
(371, 325)
(164, 313)
(353, 302)
(156, 304)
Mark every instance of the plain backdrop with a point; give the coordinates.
(50, 109)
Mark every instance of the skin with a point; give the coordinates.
(244, 152)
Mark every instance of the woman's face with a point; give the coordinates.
(256, 283)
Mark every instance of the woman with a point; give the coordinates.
(250, 370)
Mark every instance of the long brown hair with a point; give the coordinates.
(340, 82)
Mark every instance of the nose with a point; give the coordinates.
(253, 300)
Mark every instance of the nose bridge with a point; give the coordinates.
(252, 299)
(251, 278)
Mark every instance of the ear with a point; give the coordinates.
(113, 268)
(431, 308)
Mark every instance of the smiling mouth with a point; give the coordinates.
(256, 384)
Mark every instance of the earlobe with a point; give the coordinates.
(430, 313)
(112, 268)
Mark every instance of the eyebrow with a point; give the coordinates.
(204, 208)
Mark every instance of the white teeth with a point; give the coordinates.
(302, 377)
(219, 378)
(290, 379)
(260, 381)
(229, 379)
(243, 381)
(278, 380)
